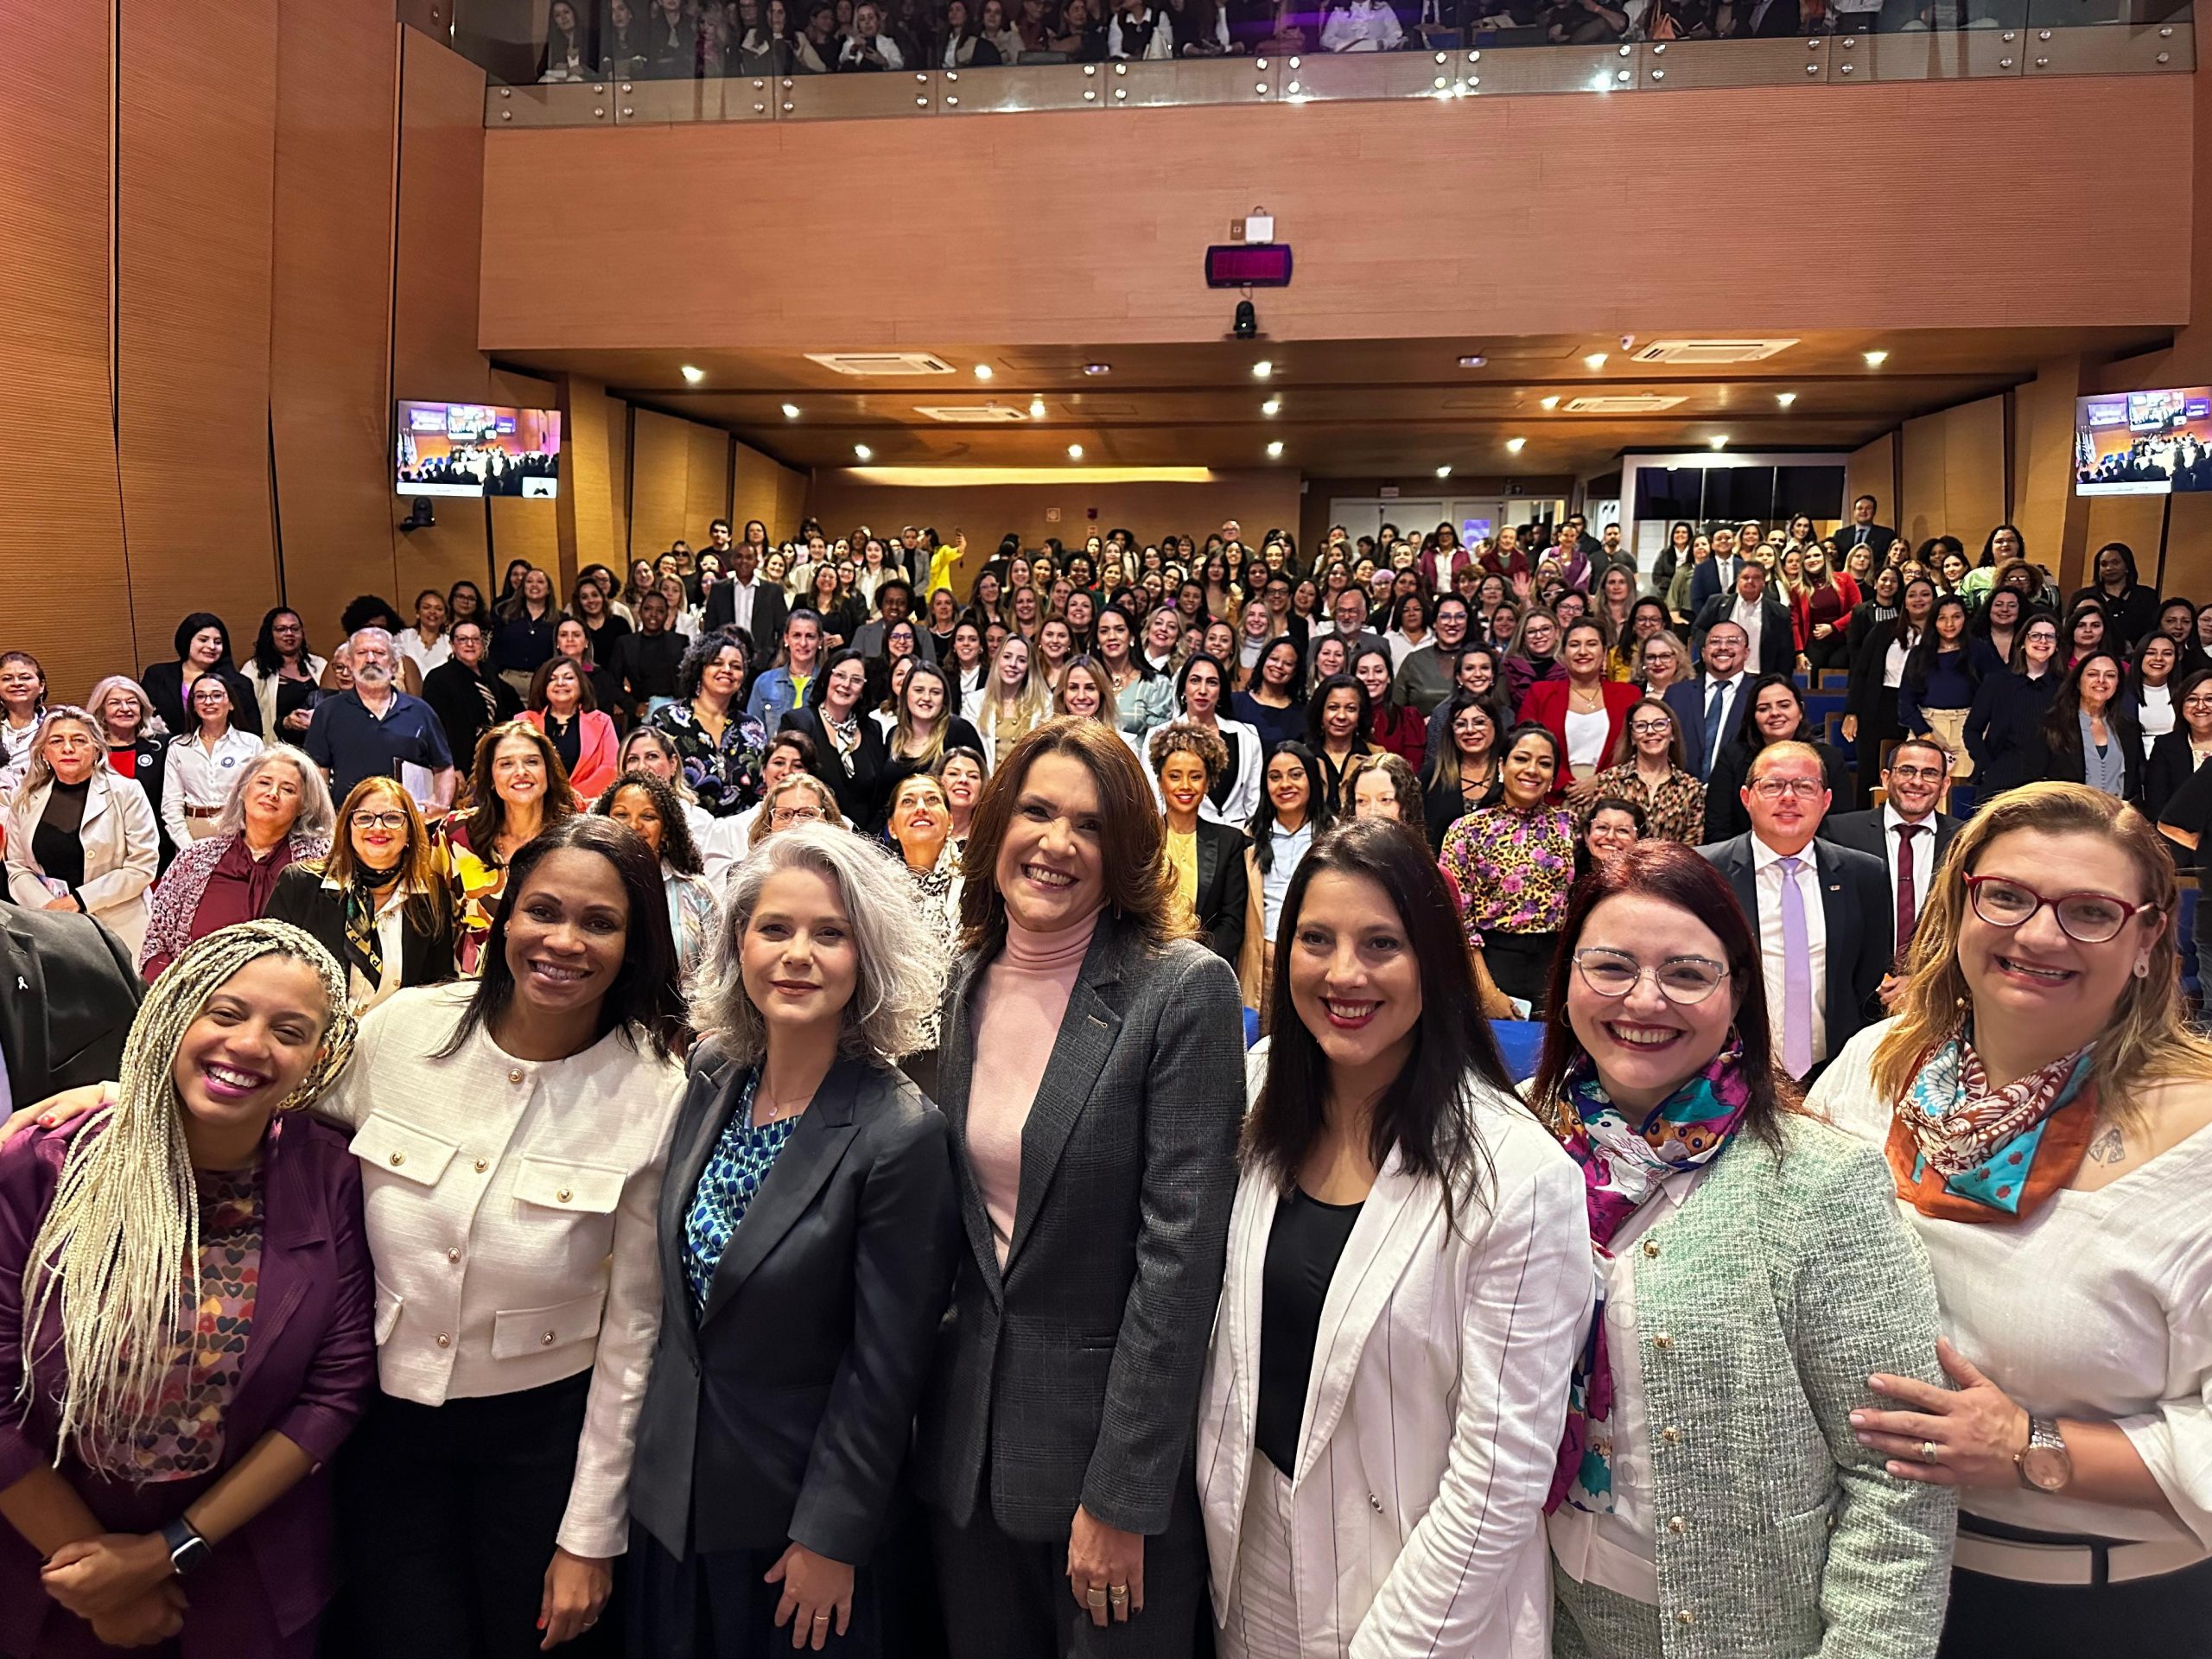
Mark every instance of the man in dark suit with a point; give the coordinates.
(68, 991)
(759, 608)
(1718, 574)
(1863, 531)
(1820, 911)
(1711, 707)
(1914, 776)
(1769, 646)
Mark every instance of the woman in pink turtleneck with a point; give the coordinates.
(1092, 1068)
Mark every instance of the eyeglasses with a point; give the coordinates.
(1919, 774)
(1685, 981)
(1653, 728)
(2084, 917)
(379, 820)
(1803, 789)
(784, 817)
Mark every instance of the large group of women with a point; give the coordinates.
(787, 1164)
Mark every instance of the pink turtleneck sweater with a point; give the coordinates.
(1017, 1010)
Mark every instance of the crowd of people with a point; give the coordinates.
(858, 1094)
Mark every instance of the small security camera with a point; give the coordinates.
(419, 516)
(1247, 325)
(1628, 343)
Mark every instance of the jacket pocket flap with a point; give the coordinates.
(519, 1331)
(383, 1143)
(388, 1305)
(593, 1188)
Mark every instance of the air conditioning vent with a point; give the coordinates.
(970, 414)
(1627, 403)
(880, 363)
(1706, 354)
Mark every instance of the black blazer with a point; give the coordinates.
(784, 1410)
(300, 898)
(1778, 643)
(1072, 1374)
(1876, 538)
(450, 689)
(860, 791)
(2068, 764)
(958, 735)
(1863, 832)
(68, 991)
(2001, 728)
(2170, 767)
(1687, 698)
(1725, 815)
(1860, 915)
(770, 612)
(1224, 889)
(164, 688)
(1869, 660)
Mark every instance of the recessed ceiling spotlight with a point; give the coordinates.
(1036, 408)
(1551, 402)
(982, 371)
(1075, 452)
(1516, 444)
(1444, 471)
(1275, 450)
(1875, 360)
(791, 411)
(1262, 369)
(1720, 442)
(1473, 360)
(1595, 360)
(1098, 368)
(1273, 406)
(862, 452)
(694, 375)
(1785, 399)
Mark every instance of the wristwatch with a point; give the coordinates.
(188, 1551)
(2045, 1464)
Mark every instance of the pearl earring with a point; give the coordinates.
(2142, 967)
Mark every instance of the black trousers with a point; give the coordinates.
(2169, 1617)
(1521, 964)
(447, 1517)
(1008, 1598)
(721, 1606)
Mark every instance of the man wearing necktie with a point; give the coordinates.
(1906, 832)
(1710, 708)
(1821, 912)
(1863, 531)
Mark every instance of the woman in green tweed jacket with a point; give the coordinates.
(1752, 1273)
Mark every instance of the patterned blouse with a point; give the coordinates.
(725, 776)
(731, 1180)
(185, 1438)
(1674, 811)
(1513, 867)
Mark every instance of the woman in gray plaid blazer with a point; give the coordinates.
(1752, 1272)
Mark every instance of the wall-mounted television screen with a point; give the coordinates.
(478, 450)
(2142, 442)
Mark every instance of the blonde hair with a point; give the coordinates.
(119, 1242)
(805, 781)
(2144, 1041)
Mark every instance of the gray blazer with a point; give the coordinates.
(1778, 1287)
(1074, 1375)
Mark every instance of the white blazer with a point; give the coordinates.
(1433, 1410)
(122, 853)
(1243, 798)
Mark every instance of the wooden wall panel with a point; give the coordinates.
(530, 529)
(2189, 548)
(68, 601)
(707, 478)
(592, 429)
(1398, 212)
(2049, 516)
(1953, 463)
(197, 175)
(763, 489)
(329, 373)
(2135, 519)
(1872, 470)
(660, 467)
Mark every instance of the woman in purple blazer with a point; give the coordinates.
(185, 1286)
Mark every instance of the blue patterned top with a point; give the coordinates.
(728, 1185)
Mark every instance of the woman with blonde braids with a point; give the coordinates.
(185, 1322)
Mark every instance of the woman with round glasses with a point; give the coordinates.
(801, 798)
(378, 901)
(1648, 770)
(1752, 1273)
(2043, 1110)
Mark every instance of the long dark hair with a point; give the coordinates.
(646, 1000)
(197, 622)
(2061, 723)
(1920, 661)
(1362, 734)
(1747, 726)
(1674, 874)
(677, 850)
(266, 656)
(1424, 1114)
(1318, 812)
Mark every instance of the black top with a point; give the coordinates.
(1303, 1247)
(2189, 808)
(2001, 728)
(568, 737)
(55, 843)
(647, 663)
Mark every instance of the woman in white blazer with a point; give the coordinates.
(78, 836)
(1408, 1277)
(1201, 688)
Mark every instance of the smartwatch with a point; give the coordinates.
(188, 1551)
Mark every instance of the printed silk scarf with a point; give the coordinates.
(1961, 1151)
(1624, 1166)
(364, 946)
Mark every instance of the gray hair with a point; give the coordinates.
(902, 967)
(317, 816)
(39, 772)
(149, 724)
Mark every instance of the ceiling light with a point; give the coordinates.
(1098, 368)
(1075, 452)
(1275, 450)
(695, 376)
(791, 411)
(1262, 369)
(1551, 402)
(1785, 399)
(1444, 471)
(1595, 360)
(982, 371)
(1720, 442)
(862, 452)
(1036, 408)
(1273, 406)
(1875, 360)
(1515, 445)
(1474, 360)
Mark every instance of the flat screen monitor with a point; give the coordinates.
(477, 449)
(2142, 442)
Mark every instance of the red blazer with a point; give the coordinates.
(1546, 705)
(595, 749)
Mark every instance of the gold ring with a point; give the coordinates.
(1930, 1452)
(1118, 1592)
(1096, 1596)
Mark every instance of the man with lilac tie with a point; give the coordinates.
(1821, 912)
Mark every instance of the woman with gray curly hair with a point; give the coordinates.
(808, 1230)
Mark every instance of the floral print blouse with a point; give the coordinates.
(725, 776)
(1513, 868)
(1674, 811)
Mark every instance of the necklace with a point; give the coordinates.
(1589, 702)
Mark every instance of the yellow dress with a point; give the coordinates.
(1183, 859)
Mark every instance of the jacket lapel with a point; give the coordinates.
(956, 1074)
(807, 1161)
(1842, 918)
(1209, 868)
(1088, 1032)
(706, 1106)
(23, 1019)
(1743, 875)
(1390, 1226)
(293, 1220)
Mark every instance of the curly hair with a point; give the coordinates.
(677, 850)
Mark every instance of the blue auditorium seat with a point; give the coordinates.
(1518, 1043)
